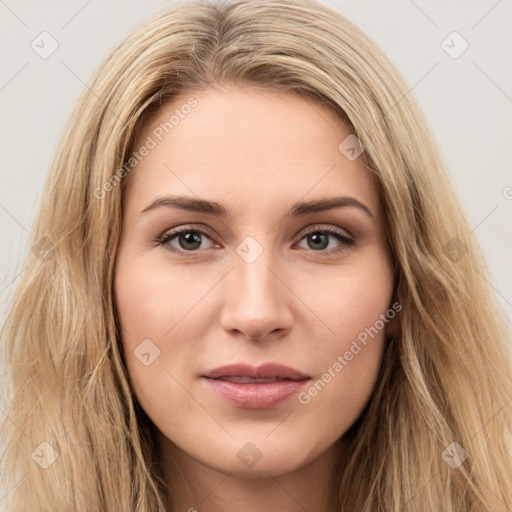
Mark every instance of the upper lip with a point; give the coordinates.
(265, 371)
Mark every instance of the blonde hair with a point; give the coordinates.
(446, 373)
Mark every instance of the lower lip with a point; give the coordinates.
(256, 395)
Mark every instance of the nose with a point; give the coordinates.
(257, 299)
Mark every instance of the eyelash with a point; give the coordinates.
(164, 239)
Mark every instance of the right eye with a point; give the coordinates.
(188, 239)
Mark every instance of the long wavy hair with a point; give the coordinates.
(75, 438)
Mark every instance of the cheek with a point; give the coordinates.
(149, 297)
(162, 329)
(352, 301)
(355, 309)
(141, 305)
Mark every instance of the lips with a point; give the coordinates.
(249, 387)
(269, 372)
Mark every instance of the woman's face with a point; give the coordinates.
(253, 279)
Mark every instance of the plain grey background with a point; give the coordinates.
(466, 98)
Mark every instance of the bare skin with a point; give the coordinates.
(305, 297)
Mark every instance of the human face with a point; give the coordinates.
(259, 286)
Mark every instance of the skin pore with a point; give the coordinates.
(257, 272)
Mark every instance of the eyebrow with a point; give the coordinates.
(297, 210)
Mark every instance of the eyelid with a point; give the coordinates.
(313, 228)
(325, 227)
(170, 233)
(310, 228)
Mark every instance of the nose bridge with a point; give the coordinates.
(256, 300)
(252, 275)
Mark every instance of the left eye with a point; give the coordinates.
(321, 237)
(189, 240)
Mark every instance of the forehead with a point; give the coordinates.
(247, 146)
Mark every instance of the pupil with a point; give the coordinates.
(190, 237)
(316, 236)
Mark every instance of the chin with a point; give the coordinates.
(259, 458)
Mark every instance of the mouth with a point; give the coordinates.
(251, 387)
(272, 371)
(249, 380)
